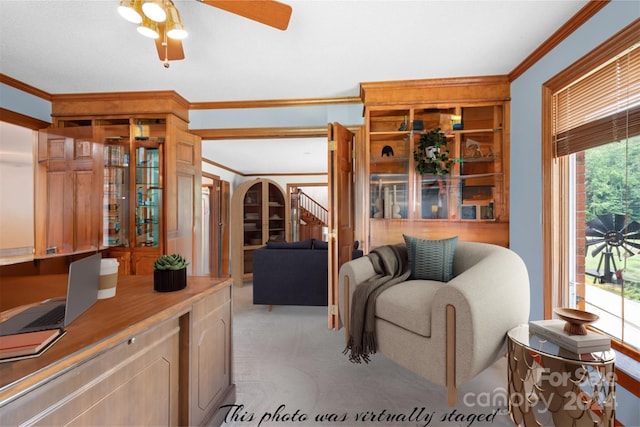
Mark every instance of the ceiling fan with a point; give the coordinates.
(160, 20)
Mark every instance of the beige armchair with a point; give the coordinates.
(447, 332)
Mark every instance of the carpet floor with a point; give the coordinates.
(289, 370)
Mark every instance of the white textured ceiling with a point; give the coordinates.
(269, 156)
(69, 46)
(72, 46)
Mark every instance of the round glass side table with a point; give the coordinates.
(551, 386)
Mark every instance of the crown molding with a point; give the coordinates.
(445, 90)
(268, 103)
(10, 81)
(618, 43)
(256, 133)
(258, 175)
(121, 96)
(221, 166)
(18, 119)
(583, 15)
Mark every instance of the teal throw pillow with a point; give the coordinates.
(431, 259)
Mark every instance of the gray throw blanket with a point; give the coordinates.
(391, 265)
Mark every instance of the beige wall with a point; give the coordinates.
(16, 189)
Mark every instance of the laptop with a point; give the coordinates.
(82, 293)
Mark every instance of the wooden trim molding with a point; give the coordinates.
(257, 133)
(121, 96)
(436, 82)
(618, 43)
(262, 174)
(286, 174)
(18, 119)
(547, 203)
(221, 166)
(120, 103)
(623, 40)
(10, 81)
(449, 89)
(268, 103)
(583, 15)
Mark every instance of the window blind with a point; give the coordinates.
(600, 107)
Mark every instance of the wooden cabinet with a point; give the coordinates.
(471, 201)
(133, 203)
(119, 172)
(210, 355)
(163, 360)
(68, 192)
(258, 214)
(112, 387)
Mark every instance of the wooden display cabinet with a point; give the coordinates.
(120, 172)
(259, 215)
(472, 201)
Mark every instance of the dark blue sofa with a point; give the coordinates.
(291, 273)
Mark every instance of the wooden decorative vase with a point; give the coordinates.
(169, 280)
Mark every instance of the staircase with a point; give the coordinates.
(312, 212)
(309, 217)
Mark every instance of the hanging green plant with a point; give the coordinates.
(431, 154)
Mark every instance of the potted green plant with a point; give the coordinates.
(431, 154)
(170, 273)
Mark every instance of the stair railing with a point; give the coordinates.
(313, 207)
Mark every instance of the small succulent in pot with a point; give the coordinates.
(170, 262)
(170, 273)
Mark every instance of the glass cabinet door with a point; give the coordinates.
(435, 194)
(276, 214)
(389, 154)
(253, 216)
(480, 162)
(148, 196)
(116, 190)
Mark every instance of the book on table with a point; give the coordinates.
(28, 344)
(553, 330)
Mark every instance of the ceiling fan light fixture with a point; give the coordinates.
(154, 10)
(175, 29)
(131, 10)
(149, 28)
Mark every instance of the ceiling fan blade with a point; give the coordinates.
(268, 12)
(174, 51)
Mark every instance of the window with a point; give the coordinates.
(591, 188)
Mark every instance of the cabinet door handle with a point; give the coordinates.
(132, 340)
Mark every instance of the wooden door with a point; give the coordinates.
(213, 222)
(182, 181)
(225, 210)
(218, 228)
(341, 209)
(69, 191)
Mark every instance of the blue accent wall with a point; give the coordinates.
(24, 103)
(526, 175)
(298, 116)
(526, 130)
